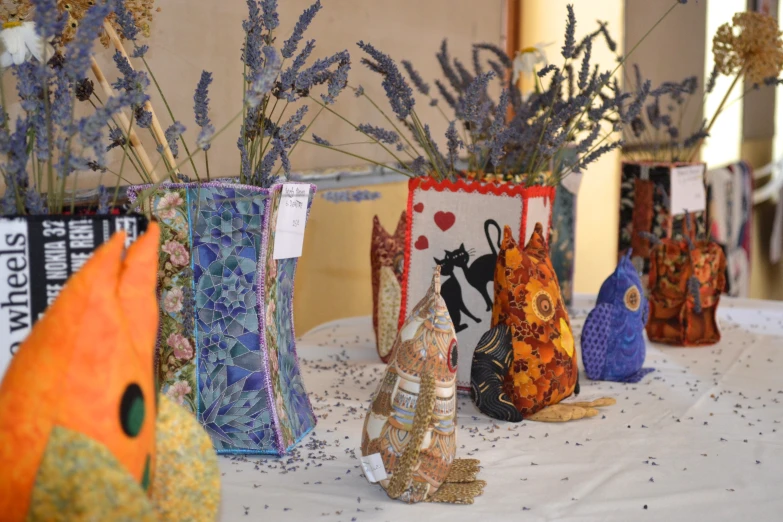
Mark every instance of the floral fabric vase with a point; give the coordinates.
(645, 195)
(226, 348)
(458, 225)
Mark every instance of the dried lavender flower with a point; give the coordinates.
(270, 18)
(584, 71)
(48, 19)
(116, 138)
(321, 141)
(359, 91)
(140, 51)
(79, 51)
(415, 77)
(470, 107)
(143, 118)
(125, 20)
(201, 99)
(398, 92)
(172, 134)
(379, 134)
(290, 45)
(570, 41)
(419, 166)
(454, 144)
(505, 60)
(262, 82)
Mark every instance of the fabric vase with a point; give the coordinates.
(562, 249)
(686, 279)
(226, 349)
(645, 196)
(458, 225)
(730, 209)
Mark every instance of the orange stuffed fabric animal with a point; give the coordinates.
(78, 407)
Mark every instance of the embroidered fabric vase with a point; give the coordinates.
(226, 347)
(686, 280)
(457, 225)
(528, 301)
(730, 205)
(386, 260)
(645, 199)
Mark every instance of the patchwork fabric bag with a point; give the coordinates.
(387, 253)
(645, 199)
(528, 301)
(730, 206)
(457, 225)
(686, 280)
(226, 347)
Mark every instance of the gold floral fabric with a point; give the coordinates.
(528, 300)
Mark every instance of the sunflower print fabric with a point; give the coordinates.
(528, 300)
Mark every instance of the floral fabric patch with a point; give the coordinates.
(528, 300)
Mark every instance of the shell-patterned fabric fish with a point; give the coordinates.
(528, 300)
(83, 433)
(387, 253)
(613, 345)
(412, 418)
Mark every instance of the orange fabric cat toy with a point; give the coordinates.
(82, 436)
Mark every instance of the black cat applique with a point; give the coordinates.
(479, 274)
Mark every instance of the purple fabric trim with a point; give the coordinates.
(260, 295)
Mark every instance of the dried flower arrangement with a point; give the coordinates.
(748, 48)
(568, 109)
(48, 46)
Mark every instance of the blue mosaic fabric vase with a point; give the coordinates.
(563, 237)
(226, 347)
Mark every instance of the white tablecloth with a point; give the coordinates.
(698, 439)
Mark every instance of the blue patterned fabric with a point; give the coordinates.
(227, 231)
(234, 328)
(613, 345)
(563, 239)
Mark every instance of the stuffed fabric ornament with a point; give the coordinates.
(387, 253)
(83, 434)
(535, 360)
(686, 280)
(613, 346)
(412, 419)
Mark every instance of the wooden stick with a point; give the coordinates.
(134, 140)
(157, 130)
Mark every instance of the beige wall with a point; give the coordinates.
(599, 195)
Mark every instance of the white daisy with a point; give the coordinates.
(527, 59)
(18, 43)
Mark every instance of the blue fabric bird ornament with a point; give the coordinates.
(613, 345)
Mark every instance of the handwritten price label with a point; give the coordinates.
(687, 190)
(291, 221)
(372, 466)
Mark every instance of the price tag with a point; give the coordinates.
(373, 467)
(572, 181)
(291, 218)
(687, 190)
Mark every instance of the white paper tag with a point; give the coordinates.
(687, 190)
(291, 219)
(373, 467)
(572, 182)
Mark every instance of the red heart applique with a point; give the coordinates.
(418, 207)
(444, 220)
(422, 243)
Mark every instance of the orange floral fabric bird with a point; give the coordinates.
(80, 424)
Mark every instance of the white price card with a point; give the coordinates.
(291, 219)
(372, 466)
(687, 190)
(571, 181)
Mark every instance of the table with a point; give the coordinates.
(698, 439)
